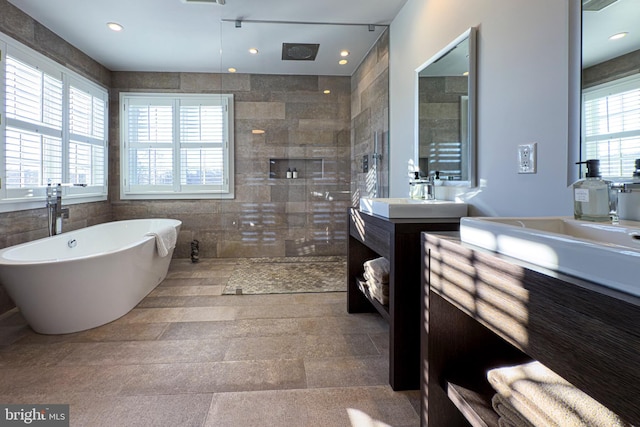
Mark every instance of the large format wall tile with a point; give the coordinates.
(268, 216)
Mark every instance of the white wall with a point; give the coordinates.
(523, 92)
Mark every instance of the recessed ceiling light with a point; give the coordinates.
(342, 61)
(114, 26)
(253, 51)
(618, 36)
(466, 73)
(257, 131)
(231, 70)
(344, 53)
(327, 92)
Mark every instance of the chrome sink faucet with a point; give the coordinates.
(55, 210)
(422, 188)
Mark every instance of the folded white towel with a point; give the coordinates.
(382, 288)
(378, 269)
(543, 398)
(166, 238)
(503, 422)
(377, 294)
(509, 417)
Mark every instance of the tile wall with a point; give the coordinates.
(370, 116)
(271, 216)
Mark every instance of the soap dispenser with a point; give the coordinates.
(415, 186)
(591, 195)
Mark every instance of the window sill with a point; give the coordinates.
(14, 205)
(177, 196)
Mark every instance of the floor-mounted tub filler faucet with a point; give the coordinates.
(55, 210)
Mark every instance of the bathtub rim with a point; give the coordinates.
(143, 238)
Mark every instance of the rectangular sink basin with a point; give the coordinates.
(608, 254)
(412, 208)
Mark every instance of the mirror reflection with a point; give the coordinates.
(611, 85)
(446, 134)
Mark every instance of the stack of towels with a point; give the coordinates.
(533, 395)
(376, 274)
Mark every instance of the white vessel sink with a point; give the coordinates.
(413, 208)
(608, 254)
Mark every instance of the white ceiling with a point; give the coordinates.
(597, 27)
(171, 35)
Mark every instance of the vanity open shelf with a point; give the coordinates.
(398, 240)
(485, 310)
(380, 308)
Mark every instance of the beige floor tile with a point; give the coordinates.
(231, 329)
(379, 404)
(347, 371)
(177, 282)
(97, 380)
(346, 324)
(189, 356)
(145, 352)
(217, 377)
(122, 332)
(344, 407)
(323, 346)
(181, 291)
(259, 348)
(152, 315)
(142, 411)
(258, 408)
(277, 311)
(179, 301)
(34, 355)
(208, 314)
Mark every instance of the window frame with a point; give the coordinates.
(176, 190)
(24, 198)
(600, 91)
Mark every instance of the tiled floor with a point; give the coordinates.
(287, 275)
(188, 356)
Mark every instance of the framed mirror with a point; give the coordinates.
(446, 111)
(609, 119)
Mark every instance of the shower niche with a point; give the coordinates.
(305, 168)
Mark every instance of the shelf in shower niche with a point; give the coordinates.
(306, 168)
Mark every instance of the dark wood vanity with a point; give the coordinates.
(481, 310)
(398, 240)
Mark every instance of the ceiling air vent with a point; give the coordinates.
(220, 2)
(299, 51)
(596, 5)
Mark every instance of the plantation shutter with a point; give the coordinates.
(33, 145)
(176, 146)
(150, 138)
(87, 144)
(611, 126)
(202, 142)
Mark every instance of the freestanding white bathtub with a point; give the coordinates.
(85, 278)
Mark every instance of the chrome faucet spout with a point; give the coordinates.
(55, 210)
(625, 187)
